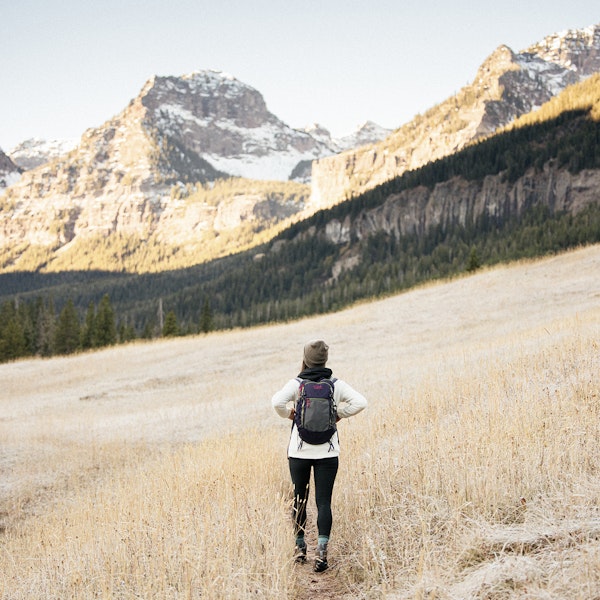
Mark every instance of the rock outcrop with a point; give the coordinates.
(458, 201)
(9, 172)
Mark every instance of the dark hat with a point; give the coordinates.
(316, 353)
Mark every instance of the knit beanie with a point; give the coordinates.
(316, 353)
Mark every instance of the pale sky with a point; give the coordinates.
(73, 64)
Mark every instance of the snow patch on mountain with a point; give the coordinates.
(211, 81)
(36, 151)
(367, 133)
(276, 166)
(549, 75)
(320, 133)
(8, 178)
(170, 115)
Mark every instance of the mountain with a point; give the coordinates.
(36, 151)
(367, 133)
(507, 85)
(126, 179)
(227, 124)
(132, 177)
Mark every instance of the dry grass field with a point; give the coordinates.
(158, 470)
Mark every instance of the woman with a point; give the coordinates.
(322, 458)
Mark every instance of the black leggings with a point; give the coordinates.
(325, 470)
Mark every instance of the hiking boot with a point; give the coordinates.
(300, 553)
(321, 558)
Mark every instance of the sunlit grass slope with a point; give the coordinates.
(158, 470)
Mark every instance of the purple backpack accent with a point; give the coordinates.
(316, 412)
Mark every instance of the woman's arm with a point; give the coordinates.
(349, 401)
(283, 397)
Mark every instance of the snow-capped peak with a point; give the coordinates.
(319, 133)
(573, 49)
(36, 151)
(367, 133)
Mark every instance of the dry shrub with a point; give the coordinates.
(207, 520)
(489, 456)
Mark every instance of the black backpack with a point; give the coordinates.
(316, 412)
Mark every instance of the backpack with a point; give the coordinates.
(316, 412)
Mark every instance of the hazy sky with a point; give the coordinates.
(72, 64)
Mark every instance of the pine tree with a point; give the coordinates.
(12, 336)
(13, 341)
(474, 262)
(68, 330)
(106, 329)
(149, 329)
(171, 327)
(126, 333)
(46, 325)
(25, 316)
(206, 318)
(88, 334)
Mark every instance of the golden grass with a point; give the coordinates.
(158, 470)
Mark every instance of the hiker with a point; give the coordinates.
(321, 457)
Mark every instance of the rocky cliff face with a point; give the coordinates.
(575, 49)
(506, 86)
(9, 172)
(460, 201)
(227, 123)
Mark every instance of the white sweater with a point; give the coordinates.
(348, 401)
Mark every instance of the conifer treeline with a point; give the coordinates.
(35, 328)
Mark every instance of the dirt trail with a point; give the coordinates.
(319, 586)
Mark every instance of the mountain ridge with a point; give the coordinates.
(128, 183)
(34, 152)
(129, 177)
(506, 86)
